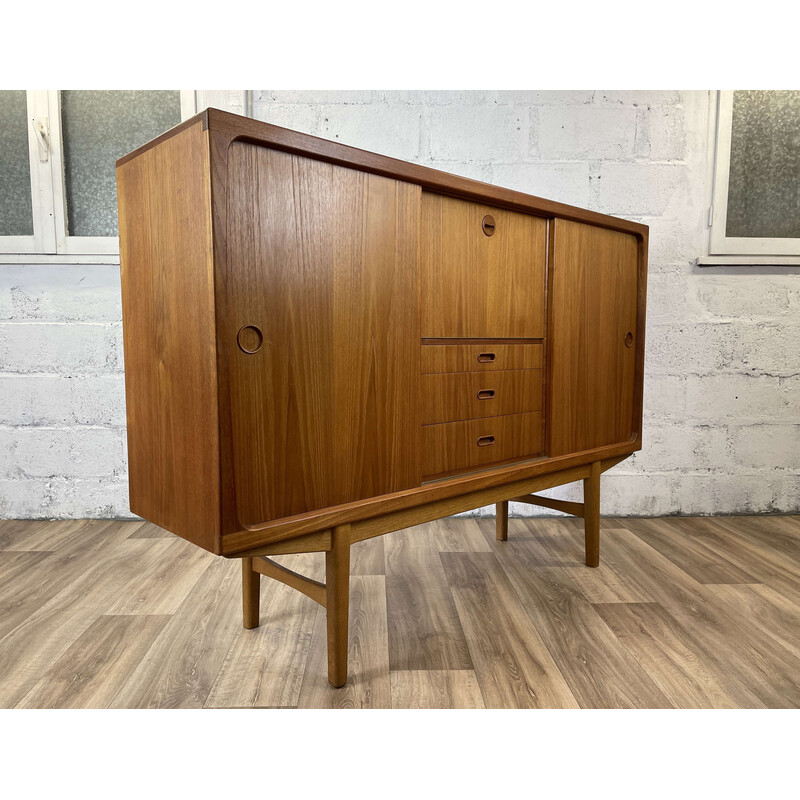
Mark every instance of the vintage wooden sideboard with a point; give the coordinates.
(323, 345)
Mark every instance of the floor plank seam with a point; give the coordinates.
(702, 611)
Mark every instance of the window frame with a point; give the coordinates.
(51, 239)
(43, 238)
(721, 249)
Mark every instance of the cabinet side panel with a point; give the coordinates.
(592, 368)
(323, 261)
(169, 337)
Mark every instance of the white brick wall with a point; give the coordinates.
(722, 383)
(62, 413)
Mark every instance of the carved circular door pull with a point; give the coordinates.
(628, 339)
(250, 339)
(488, 225)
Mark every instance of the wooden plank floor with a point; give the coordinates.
(683, 612)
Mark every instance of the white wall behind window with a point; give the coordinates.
(722, 384)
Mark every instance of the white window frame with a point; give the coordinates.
(39, 160)
(721, 249)
(51, 240)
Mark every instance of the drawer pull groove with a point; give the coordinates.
(486, 357)
(485, 441)
(485, 394)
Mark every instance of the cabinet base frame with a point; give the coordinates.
(334, 594)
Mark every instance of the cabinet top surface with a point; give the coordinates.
(233, 127)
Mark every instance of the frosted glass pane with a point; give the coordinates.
(764, 188)
(16, 215)
(97, 129)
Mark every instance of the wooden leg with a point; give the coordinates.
(337, 602)
(251, 594)
(591, 519)
(502, 520)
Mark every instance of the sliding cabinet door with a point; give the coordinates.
(321, 333)
(593, 337)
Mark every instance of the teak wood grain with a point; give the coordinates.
(593, 307)
(418, 514)
(452, 446)
(488, 355)
(231, 126)
(168, 317)
(452, 494)
(322, 260)
(325, 345)
(190, 461)
(474, 285)
(470, 395)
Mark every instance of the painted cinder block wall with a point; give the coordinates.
(722, 383)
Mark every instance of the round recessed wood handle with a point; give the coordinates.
(628, 339)
(488, 225)
(485, 441)
(485, 394)
(250, 339)
(485, 358)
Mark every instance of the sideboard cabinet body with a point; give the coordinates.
(318, 336)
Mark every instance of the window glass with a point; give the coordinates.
(764, 185)
(16, 214)
(97, 129)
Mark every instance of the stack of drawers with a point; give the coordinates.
(481, 404)
(482, 292)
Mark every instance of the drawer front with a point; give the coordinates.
(453, 446)
(477, 357)
(450, 397)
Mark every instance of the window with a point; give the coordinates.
(57, 164)
(754, 215)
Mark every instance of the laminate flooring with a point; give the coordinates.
(682, 613)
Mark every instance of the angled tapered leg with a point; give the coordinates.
(502, 520)
(251, 594)
(591, 518)
(337, 602)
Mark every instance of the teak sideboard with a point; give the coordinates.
(323, 345)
